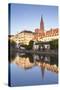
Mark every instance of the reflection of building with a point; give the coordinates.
(23, 37)
(42, 62)
(47, 66)
(23, 62)
(42, 71)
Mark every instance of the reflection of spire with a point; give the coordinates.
(42, 70)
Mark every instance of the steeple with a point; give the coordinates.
(41, 24)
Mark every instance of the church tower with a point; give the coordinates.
(41, 24)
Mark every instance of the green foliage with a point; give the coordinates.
(28, 47)
(54, 44)
(11, 44)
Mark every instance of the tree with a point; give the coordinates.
(13, 44)
(30, 46)
(54, 44)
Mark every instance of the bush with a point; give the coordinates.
(54, 44)
(28, 47)
(11, 44)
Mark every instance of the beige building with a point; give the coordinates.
(23, 37)
(40, 34)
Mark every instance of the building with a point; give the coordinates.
(45, 35)
(42, 24)
(40, 34)
(23, 37)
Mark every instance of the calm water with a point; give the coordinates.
(28, 69)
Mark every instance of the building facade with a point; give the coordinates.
(40, 34)
(23, 37)
(45, 35)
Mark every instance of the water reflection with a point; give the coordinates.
(28, 61)
(44, 63)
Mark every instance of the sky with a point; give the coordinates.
(27, 17)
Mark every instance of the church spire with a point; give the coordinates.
(41, 24)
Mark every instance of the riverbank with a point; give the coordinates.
(49, 52)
